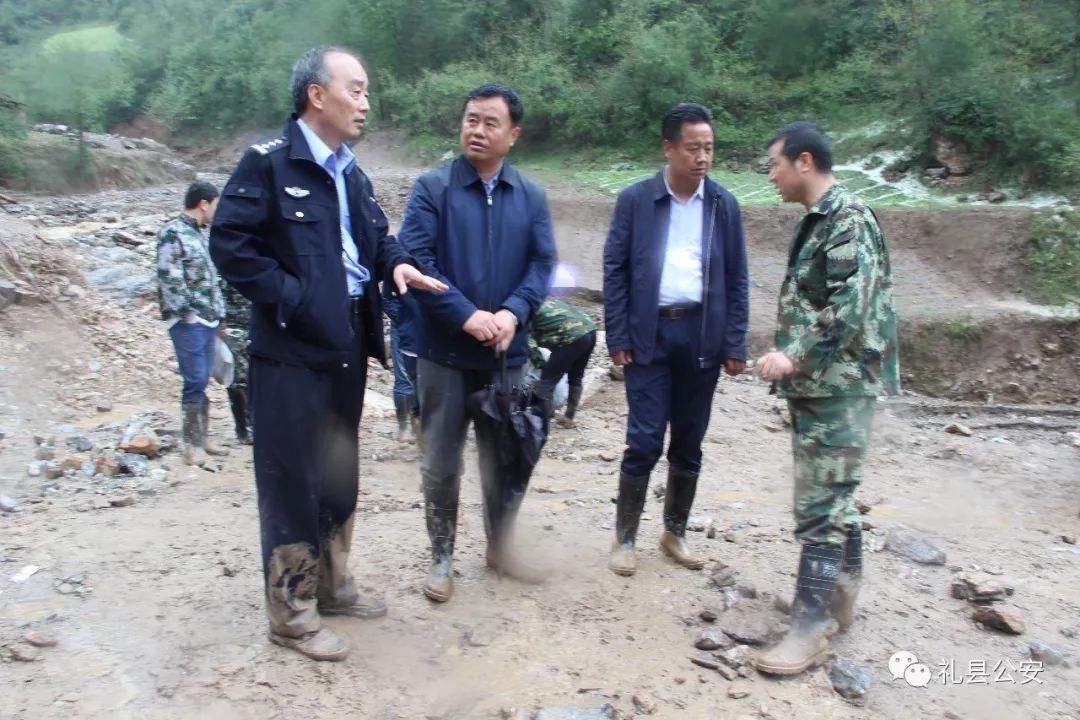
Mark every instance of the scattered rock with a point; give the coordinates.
(8, 294)
(706, 660)
(478, 638)
(699, 524)
(106, 465)
(997, 197)
(211, 466)
(713, 639)
(737, 691)
(749, 624)
(21, 653)
(1046, 654)
(726, 672)
(228, 571)
(708, 615)
(8, 505)
(952, 154)
(73, 462)
(602, 712)
(25, 574)
(122, 500)
(33, 469)
(999, 619)
(141, 440)
(738, 656)
(608, 456)
(1068, 539)
(644, 704)
(956, 428)
(45, 452)
(848, 679)
(80, 444)
(863, 507)
(782, 604)
(711, 532)
(723, 575)
(906, 543)
(53, 470)
(133, 463)
(615, 372)
(978, 590)
(103, 406)
(39, 639)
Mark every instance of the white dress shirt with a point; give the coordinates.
(681, 280)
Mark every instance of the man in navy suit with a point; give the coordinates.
(676, 306)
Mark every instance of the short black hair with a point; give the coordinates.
(513, 102)
(683, 114)
(197, 192)
(801, 137)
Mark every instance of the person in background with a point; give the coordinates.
(402, 311)
(189, 295)
(570, 335)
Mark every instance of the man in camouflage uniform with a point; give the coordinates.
(835, 354)
(237, 316)
(570, 335)
(192, 306)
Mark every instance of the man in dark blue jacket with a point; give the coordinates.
(483, 228)
(676, 306)
(299, 233)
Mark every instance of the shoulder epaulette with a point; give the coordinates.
(269, 146)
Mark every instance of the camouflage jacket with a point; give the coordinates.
(556, 324)
(237, 310)
(187, 279)
(836, 319)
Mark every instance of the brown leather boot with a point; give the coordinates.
(323, 644)
(807, 643)
(631, 501)
(678, 499)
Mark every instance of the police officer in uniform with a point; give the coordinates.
(299, 233)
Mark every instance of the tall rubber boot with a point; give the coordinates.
(191, 418)
(209, 445)
(440, 514)
(850, 580)
(678, 499)
(632, 492)
(241, 421)
(502, 554)
(401, 412)
(806, 643)
(572, 402)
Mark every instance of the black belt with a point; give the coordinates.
(356, 304)
(674, 312)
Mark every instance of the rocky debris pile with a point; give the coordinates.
(110, 466)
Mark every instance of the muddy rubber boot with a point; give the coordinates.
(208, 445)
(632, 492)
(502, 554)
(806, 643)
(847, 585)
(241, 421)
(678, 499)
(441, 509)
(323, 644)
(417, 431)
(572, 402)
(191, 417)
(401, 412)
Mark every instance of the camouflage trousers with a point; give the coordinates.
(236, 339)
(828, 440)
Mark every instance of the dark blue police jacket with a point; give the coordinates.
(276, 237)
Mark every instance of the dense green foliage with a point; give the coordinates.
(1002, 75)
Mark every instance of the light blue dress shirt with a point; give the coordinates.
(337, 165)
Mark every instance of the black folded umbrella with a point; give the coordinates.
(511, 429)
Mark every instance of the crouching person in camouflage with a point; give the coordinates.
(835, 354)
(570, 335)
(193, 308)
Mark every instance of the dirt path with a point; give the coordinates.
(157, 607)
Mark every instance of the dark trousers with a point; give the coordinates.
(444, 419)
(570, 360)
(672, 389)
(307, 475)
(194, 345)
